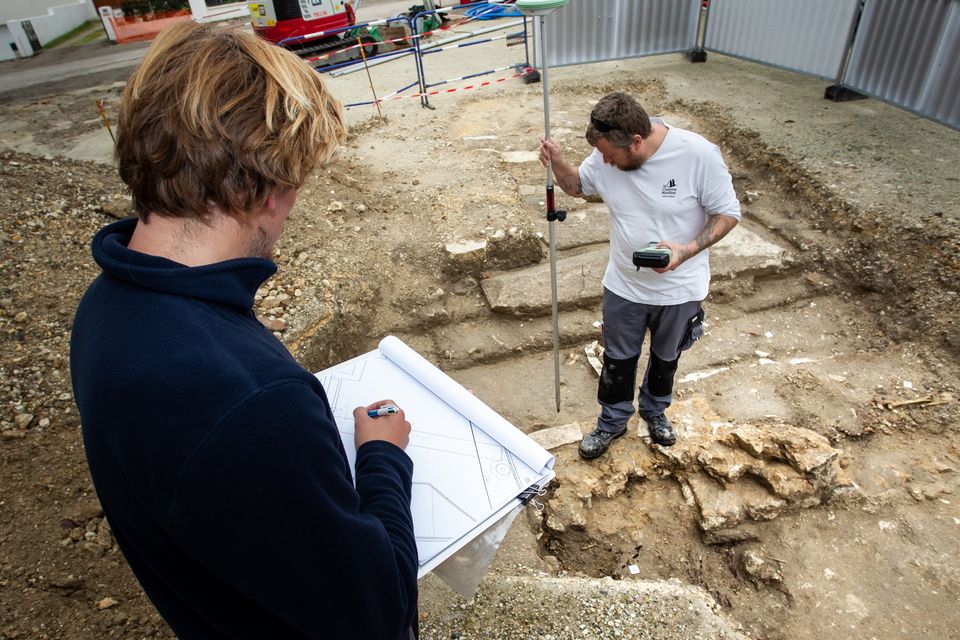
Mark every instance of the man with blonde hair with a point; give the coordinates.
(214, 454)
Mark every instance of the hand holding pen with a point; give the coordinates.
(382, 420)
(383, 410)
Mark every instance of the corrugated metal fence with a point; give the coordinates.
(594, 30)
(906, 52)
(809, 36)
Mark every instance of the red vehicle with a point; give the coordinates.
(286, 22)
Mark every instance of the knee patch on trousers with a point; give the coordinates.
(617, 378)
(660, 376)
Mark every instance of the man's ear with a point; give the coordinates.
(271, 202)
(637, 143)
(279, 201)
(276, 200)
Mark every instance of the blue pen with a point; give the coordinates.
(385, 410)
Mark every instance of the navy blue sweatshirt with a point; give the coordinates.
(218, 463)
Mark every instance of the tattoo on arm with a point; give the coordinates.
(572, 185)
(716, 227)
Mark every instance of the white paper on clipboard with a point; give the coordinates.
(470, 465)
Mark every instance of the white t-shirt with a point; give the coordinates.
(667, 198)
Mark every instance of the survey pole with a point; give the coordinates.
(539, 9)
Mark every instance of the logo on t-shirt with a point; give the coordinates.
(670, 189)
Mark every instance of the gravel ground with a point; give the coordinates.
(882, 217)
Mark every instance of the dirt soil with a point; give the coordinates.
(862, 197)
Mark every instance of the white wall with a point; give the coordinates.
(16, 9)
(52, 24)
(6, 39)
(20, 38)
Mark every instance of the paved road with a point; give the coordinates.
(23, 74)
(81, 66)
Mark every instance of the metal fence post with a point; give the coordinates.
(837, 92)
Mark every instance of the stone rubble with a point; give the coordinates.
(733, 474)
(545, 607)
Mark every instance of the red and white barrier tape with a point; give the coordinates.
(437, 92)
(355, 46)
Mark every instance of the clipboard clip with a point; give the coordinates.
(527, 497)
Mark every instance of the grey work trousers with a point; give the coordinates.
(673, 329)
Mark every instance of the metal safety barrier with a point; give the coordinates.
(418, 50)
(448, 44)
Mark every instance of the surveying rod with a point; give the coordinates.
(540, 8)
